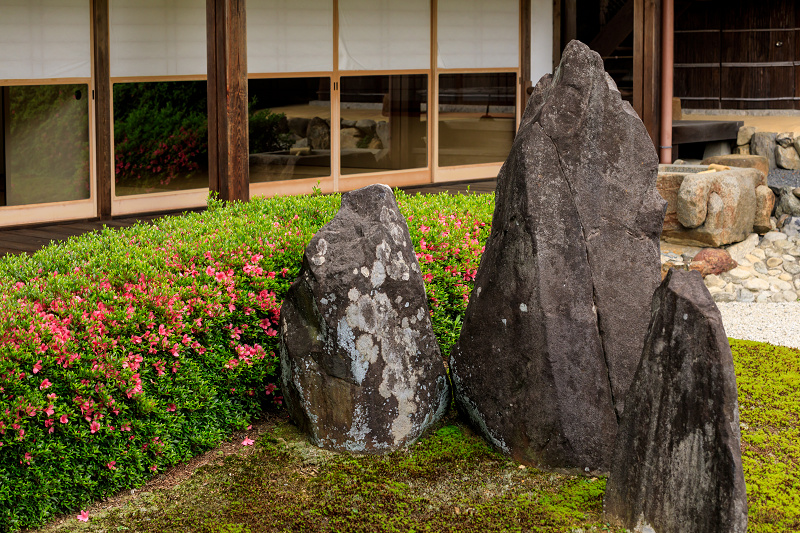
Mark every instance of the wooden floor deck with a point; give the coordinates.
(29, 239)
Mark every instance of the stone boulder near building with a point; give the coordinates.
(557, 319)
(677, 463)
(361, 369)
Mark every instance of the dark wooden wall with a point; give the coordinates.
(647, 64)
(738, 55)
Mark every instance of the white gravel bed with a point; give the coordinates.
(775, 323)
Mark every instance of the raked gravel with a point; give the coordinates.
(775, 323)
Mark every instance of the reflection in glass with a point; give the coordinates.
(290, 129)
(477, 117)
(160, 137)
(44, 144)
(384, 123)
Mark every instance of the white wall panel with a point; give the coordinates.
(541, 38)
(45, 39)
(478, 33)
(158, 38)
(289, 36)
(384, 34)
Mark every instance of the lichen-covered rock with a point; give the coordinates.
(677, 464)
(557, 319)
(361, 369)
(712, 261)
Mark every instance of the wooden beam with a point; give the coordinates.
(101, 64)
(614, 32)
(647, 64)
(556, 34)
(228, 166)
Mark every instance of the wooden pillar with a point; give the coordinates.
(570, 19)
(647, 64)
(525, 54)
(228, 169)
(101, 65)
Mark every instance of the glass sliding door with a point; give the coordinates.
(290, 67)
(384, 123)
(477, 117)
(160, 109)
(478, 52)
(45, 115)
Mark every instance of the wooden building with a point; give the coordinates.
(118, 107)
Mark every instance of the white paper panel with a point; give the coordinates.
(45, 39)
(478, 33)
(384, 34)
(158, 37)
(289, 36)
(541, 38)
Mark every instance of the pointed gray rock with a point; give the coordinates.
(361, 369)
(763, 143)
(677, 464)
(555, 325)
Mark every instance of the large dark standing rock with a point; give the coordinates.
(360, 366)
(677, 462)
(556, 323)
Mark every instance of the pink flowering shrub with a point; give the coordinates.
(131, 350)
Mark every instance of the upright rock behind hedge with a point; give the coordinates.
(361, 368)
(677, 461)
(556, 323)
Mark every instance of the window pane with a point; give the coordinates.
(290, 129)
(289, 36)
(45, 39)
(384, 123)
(478, 34)
(158, 37)
(45, 144)
(160, 137)
(477, 118)
(384, 34)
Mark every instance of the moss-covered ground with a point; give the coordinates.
(451, 480)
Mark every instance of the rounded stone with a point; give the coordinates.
(773, 262)
(760, 267)
(724, 297)
(714, 281)
(745, 296)
(756, 284)
(783, 245)
(789, 296)
(780, 285)
(774, 272)
(739, 273)
(792, 268)
(788, 258)
(785, 277)
(773, 236)
(759, 253)
(797, 284)
(772, 252)
(763, 297)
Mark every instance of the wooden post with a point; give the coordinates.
(525, 54)
(570, 18)
(228, 167)
(101, 65)
(647, 64)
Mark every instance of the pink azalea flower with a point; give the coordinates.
(112, 465)
(84, 516)
(64, 419)
(37, 367)
(250, 427)
(153, 468)
(171, 407)
(269, 389)
(247, 442)
(45, 384)
(95, 427)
